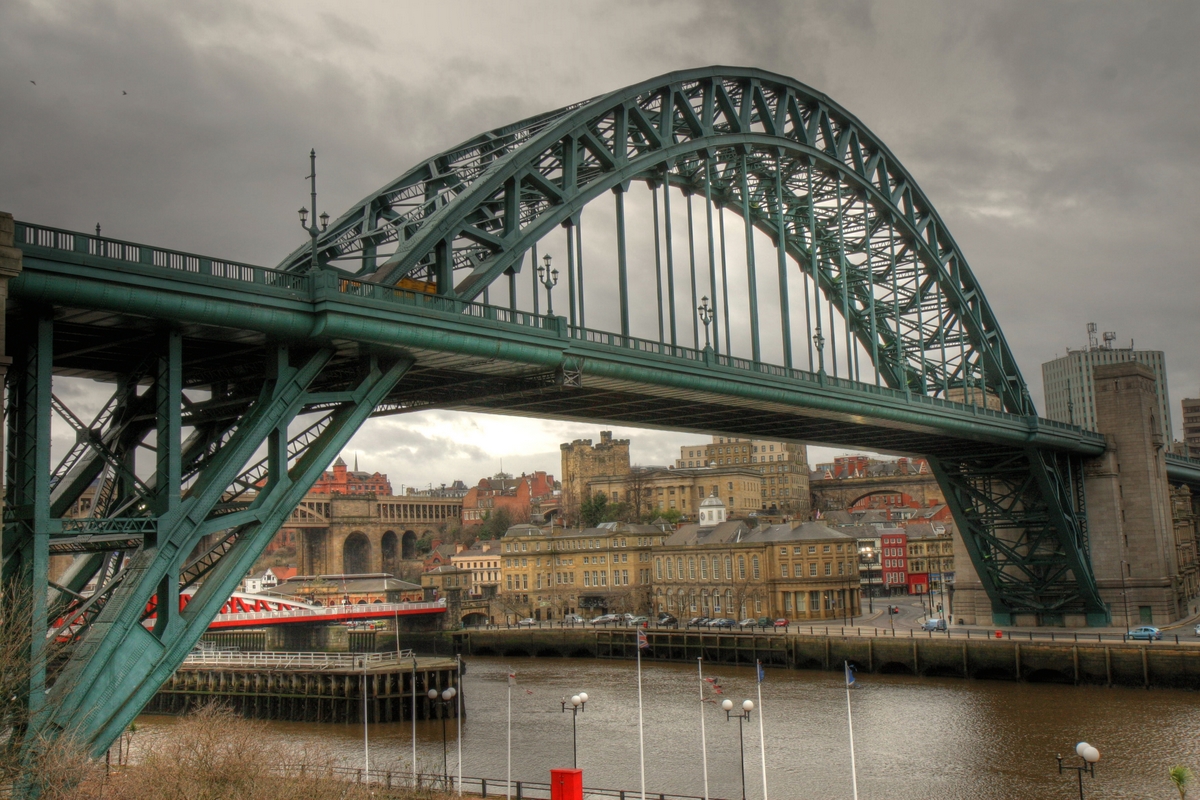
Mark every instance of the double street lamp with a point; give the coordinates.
(313, 230)
(706, 316)
(446, 698)
(1089, 756)
(867, 556)
(744, 716)
(578, 703)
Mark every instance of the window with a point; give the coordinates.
(728, 568)
(741, 567)
(703, 568)
(812, 548)
(828, 568)
(783, 572)
(670, 569)
(812, 569)
(825, 549)
(679, 566)
(691, 568)
(754, 566)
(841, 568)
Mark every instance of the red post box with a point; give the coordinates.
(566, 784)
(999, 634)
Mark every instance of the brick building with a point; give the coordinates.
(893, 555)
(342, 480)
(518, 496)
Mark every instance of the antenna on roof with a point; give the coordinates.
(1092, 343)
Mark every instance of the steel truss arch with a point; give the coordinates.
(484, 203)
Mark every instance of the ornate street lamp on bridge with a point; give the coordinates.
(706, 316)
(313, 230)
(819, 341)
(549, 279)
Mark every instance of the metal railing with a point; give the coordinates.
(380, 610)
(482, 787)
(229, 658)
(87, 244)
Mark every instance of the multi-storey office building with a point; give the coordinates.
(1069, 389)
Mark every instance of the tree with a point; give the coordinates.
(1181, 776)
(671, 515)
(638, 493)
(495, 524)
(597, 509)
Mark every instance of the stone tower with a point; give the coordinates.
(582, 461)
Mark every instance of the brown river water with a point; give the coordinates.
(915, 738)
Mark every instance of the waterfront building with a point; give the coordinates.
(1191, 426)
(930, 559)
(447, 581)
(714, 568)
(893, 553)
(483, 562)
(1068, 381)
(652, 490)
(549, 571)
(782, 466)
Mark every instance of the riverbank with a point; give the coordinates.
(1103, 663)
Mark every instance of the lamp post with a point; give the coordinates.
(313, 230)
(819, 341)
(578, 703)
(446, 698)
(867, 556)
(706, 316)
(744, 716)
(1089, 756)
(1124, 593)
(549, 279)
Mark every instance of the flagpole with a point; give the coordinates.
(414, 721)
(641, 735)
(762, 739)
(508, 791)
(458, 720)
(703, 739)
(850, 725)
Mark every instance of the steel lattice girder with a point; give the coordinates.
(1023, 520)
(101, 664)
(480, 206)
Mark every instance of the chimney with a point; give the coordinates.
(459, 547)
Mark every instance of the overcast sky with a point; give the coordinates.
(1060, 142)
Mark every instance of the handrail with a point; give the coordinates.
(293, 660)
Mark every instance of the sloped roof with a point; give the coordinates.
(721, 533)
(805, 531)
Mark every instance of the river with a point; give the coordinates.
(915, 738)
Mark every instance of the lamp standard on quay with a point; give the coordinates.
(747, 707)
(549, 279)
(867, 556)
(446, 698)
(578, 703)
(1089, 756)
(313, 230)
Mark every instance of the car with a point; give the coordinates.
(696, 622)
(606, 619)
(639, 621)
(626, 618)
(528, 622)
(722, 623)
(748, 622)
(572, 619)
(1198, 630)
(666, 620)
(764, 622)
(933, 625)
(1146, 632)
(782, 623)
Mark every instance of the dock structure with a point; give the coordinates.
(312, 687)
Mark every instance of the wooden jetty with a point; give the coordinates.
(312, 687)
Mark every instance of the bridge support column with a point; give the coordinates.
(1129, 507)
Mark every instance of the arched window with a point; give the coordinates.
(728, 569)
(691, 568)
(679, 567)
(741, 567)
(670, 570)
(703, 568)
(658, 573)
(754, 566)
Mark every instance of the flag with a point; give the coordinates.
(642, 642)
(512, 679)
(849, 675)
(762, 676)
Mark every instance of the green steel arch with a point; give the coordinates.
(768, 148)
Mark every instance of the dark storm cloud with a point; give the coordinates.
(1059, 141)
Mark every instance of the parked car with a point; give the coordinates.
(748, 622)
(722, 623)
(782, 623)
(626, 618)
(639, 621)
(528, 622)
(666, 620)
(572, 619)
(1198, 630)
(1146, 632)
(765, 622)
(696, 622)
(607, 619)
(933, 625)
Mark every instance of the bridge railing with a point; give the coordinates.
(228, 658)
(380, 610)
(87, 244)
(434, 302)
